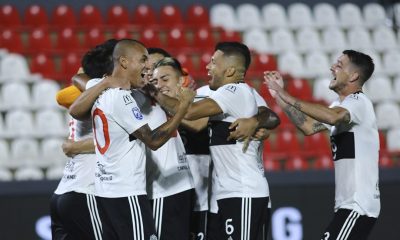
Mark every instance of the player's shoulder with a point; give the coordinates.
(93, 82)
(235, 88)
(358, 97)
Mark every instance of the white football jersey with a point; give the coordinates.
(355, 149)
(120, 170)
(167, 169)
(238, 174)
(79, 170)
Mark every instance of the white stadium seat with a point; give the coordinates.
(5, 174)
(292, 63)
(325, 15)
(384, 39)
(350, 15)
(18, 123)
(30, 173)
(257, 40)
(322, 92)
(248, 16)
(374, 15)
(299, 15)
(393, 139)
(51, 152)
(308, 40)
(388, 115)
(391, 63)
(359, 39)
(24, 152)
(16, 95)
(4, 153)
(317, 64)
(223, 15)
(44, 94)
(50, 123)
(379, 89)
(13, 67)
(54, 172)
(333, 40)
(274, 16)
(282, 41)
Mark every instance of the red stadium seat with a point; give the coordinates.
(271, 164)
(94, 37)
(204, 60)
(296, 163)
(170, 15)
(382, 142)
(186, 62)
(70, 64)
(260, 63)
(36, 16)
(323, 162)
(287, 142)
(197, 15)
(385, 161)
(44, 65)
(11, 40)
(150, 38)
(299, 88)
(63, 16)
(176, 39)
(90, 16)
(67, 40)
(204, 39)
(39, 41)
(117, 16)
(9, 16)
(122, 33)
(144, 15)
(317, 144)
(233, 36)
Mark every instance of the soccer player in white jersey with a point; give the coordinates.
(120, 175)
(241, 187)
(354, 138)
(74, 213)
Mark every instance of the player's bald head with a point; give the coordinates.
(125, 48)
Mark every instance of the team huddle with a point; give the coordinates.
(153, 159)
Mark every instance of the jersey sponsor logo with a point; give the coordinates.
(343, 146)
(354, 96)
(231, 88)
(70, 165)
(127, 99)
(136, 112)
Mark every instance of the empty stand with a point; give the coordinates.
(94, 37)
(144, 15)
(393, 139)
(90, 16)
(379, 89)
(391, 62)
(170, 16)
(203, 39)
(44, 93)
(299, 88)
(388, 115)
(223, 15)
(36, 16)
(70, 63)
(374, 15)
(11, 40)
(50, 123)
(333, 40)
(282, 40)
(13, 67)
(307, 40)
(296, 163)
(384, 39)
(299, 15)
(18, 123)
(9, 16)
(291, 63)
(321, 91)
(67, 40)
(39, 41)
(349, 15)
(325, 15)
(198, 15)
(248, 16)
(150, 38)
(44, 64)
(256, 39)
(51, 152)
(317, 64)
(24, 152)
(63, 16)
(117, 16)
(274, 16)
(16, 95)
(31, 173)
(359, 39)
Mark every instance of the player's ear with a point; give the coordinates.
(354, 76)
(123, 62)
(230, 71)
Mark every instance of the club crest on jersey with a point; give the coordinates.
(127, 99)
(136, 112)
(231, 88)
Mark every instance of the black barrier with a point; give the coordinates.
(302, 206)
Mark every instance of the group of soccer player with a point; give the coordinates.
(153, 159)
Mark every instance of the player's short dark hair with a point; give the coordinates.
(98, 62)
(172, 62)
(235, 49)
(363, 62)
(153, 50)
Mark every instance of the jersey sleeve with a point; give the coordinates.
(259, 100)
(93, 82)
(354, 104)
(227, 97)
(127, 113)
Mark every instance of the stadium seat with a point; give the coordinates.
(186, 62)
(257, 39)
(387, 115)
(396, 88)
(317, 64)
(70, 63)
(50, 123)
(296, 163)
(18, 123)
(385, 161)
(39, 41)
(9, 16)
(51, 152)
(384, 39)
(122, 33)
(282, 41)
(13, 67)
(4, 153)
(325, 16)
(67, 40)
(333, 40)
(391, 62)
(374, 15)
(90, 16)
(379, 89)
(317, 144)
(203, 39)
(248, 16)
(36, 16)
(16, 95)
(44, 64)
(55, 172)
(378, 70)
(291, 63)
(93, 37)
(324, 162)
(359, 39)
(205, 59)
(63, 16)
(274, 16)
(170, 16)
(307, 40)
(11, 40)
(5, 174)
(44, 94)
(2, 127)
(198, 16)
(223, 15)
(144, 15)
(24, 151)
(287, 142)
(117, 16)
(299, 15)
(227, 35)
(321, 91)
(30, 173)
(150, 38)
(263, 62)
(350, 15)
(299, 88)
(270, 164)
(393, 139)
(176, 39)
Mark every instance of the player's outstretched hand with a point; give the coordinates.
(185, 95)
(273, 76)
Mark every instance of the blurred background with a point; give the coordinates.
(42, 42)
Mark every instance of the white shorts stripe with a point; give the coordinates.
(134, 219)
(97, 213)
(347, 226)
(246, 219)
(242, 222)
(94, 219)
(249, 219)
(141, 229)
